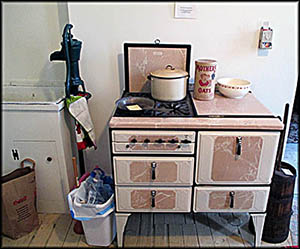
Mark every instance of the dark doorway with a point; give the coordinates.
(293, 135)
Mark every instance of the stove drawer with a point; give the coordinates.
(153, 199)
(153, 170)
(236, 157)
(229, 199)
(138, 136)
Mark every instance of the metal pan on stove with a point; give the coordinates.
(134, 104)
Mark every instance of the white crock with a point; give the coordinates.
(169, 84)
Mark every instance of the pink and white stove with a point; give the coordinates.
(215, 156)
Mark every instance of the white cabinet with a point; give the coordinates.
(42, 132)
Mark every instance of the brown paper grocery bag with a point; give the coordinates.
(18, 202)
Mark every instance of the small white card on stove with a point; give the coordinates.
(134, 108)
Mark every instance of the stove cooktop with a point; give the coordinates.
(181, 108)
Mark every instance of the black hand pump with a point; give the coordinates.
(70, 53)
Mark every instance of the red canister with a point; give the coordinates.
(205, 75)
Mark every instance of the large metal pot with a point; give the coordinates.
(169, 84)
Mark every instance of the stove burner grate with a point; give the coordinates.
(181, 108)
(172, 109)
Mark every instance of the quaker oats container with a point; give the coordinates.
(205, 75)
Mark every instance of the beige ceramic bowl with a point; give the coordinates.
(233, 88)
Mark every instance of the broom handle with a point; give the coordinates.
(75, 171)
(282, 136)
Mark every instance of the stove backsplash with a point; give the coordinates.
(144, 60)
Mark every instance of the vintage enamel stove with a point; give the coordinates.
(192, 156)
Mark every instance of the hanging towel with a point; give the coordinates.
(85, 134)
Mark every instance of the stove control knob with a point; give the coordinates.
(160, 141)
(173, 141)
(133, 141)
(146, 141)
(185, 141)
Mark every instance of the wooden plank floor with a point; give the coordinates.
(192, 230)
(152, 230)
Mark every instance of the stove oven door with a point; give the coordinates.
(153, 199)
(153, 170)
(236, 157)
(231, 199)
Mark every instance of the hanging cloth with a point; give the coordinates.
(84, 128)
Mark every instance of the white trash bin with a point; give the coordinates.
(98, 220)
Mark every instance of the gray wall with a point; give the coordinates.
(30, 33)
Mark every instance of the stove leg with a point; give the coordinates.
(121, 219)
(258, 221)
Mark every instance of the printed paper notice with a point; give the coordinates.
(185, 10)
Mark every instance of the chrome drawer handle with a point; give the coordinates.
(153, 166)
(231, 194)
(238, 146)
(153, 193)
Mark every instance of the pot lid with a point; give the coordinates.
(169, 72)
